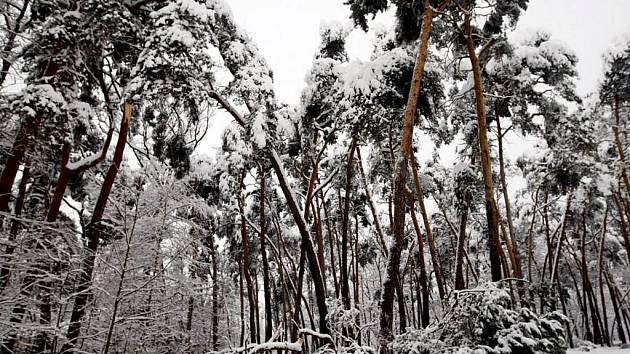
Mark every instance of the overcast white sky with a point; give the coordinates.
(287, 32)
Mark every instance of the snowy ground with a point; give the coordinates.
(614, 350)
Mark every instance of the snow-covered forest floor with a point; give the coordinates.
(613, 350)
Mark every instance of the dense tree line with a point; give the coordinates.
(335, 225)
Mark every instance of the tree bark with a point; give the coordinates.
(486, 164)
(588, 288)
(400, 180)
(620, 146)
(370, 200)
(518, 272)
(435, 258)
(263, 251)
(246, 266)
(93, 234)
(423, 269)
(556, 258)
(26, 136)
(461, 246)
(616, 309)
(623, 226)
(345, 289)
(215, 294)
(276, 164)
(5, 272)
(600, 266)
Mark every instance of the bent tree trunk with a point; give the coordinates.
(486, 165)
(93, 235)
(294, 209)
(400, 180)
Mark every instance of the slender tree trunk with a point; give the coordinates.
(620, 146)
(8, 344)
(518, 272)
(241, 302)
(319, 237)
(298, 296)
(357, 279)
(400, 297)
(331, 246)
(600, 264)
(435, 258)
(246, 267)
(345, 224)
(564, 312)
(93, 235)
(588, 290)
(310, 205)
(423, 270)
(5, 271)
(263, 251)
(461, 249)
(400, 181)
(370, 200)
(530, 239)
(256, 302)
(616, 309)
(215, 294)
(486, 164)
(118, 297)
(276, 164)
(556, 258)
(622, 226)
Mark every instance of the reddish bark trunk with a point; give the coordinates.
(486, 164)
(93, 234)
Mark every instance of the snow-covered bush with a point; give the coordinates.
(482, 321)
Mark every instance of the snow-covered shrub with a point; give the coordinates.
(482, 321)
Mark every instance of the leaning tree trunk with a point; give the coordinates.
(26, 136)
(8, 344)
(5, 271)
(93, 234)
(486, 164)
(400, 181)
(294, 209)
(518, 271)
